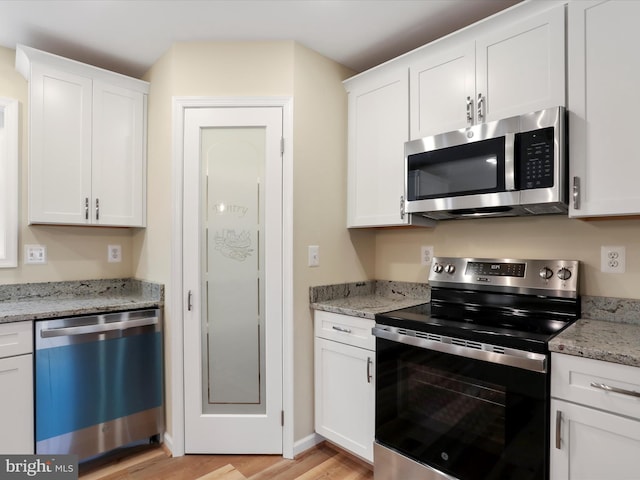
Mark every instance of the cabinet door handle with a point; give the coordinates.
(341, 329)
(469, 111)
(402, 207)
(609, 388)
(86, 208)
(97, 209)
(558, 428)
(576, 193)
(369, 375)
(189, 306)
(480, 108)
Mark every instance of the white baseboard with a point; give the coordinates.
(306, 443)
(167, 441)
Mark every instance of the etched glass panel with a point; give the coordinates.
(233, 269)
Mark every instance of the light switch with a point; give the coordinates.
(314, 255)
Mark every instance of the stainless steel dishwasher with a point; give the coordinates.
(98, 382)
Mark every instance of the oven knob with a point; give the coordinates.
(450, 268)
(545, 273)
(564, 274)
(438, 268)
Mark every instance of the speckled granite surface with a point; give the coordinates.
(36, 301)
(600, 340)
(608, 331)
(622, 310)
(365, 299)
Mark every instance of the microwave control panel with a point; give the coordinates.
(535, 153)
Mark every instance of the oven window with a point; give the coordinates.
(459, 415)
(466, 169)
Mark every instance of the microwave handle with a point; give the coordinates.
(509, 162)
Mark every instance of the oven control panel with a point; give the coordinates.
(550, 277)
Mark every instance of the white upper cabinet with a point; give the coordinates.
(378, 126)
(87, 143)
(603, 73)
(515, 67)
(443, 88)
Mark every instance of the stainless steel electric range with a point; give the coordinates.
(462, 382)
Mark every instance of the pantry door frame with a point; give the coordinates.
(176, 441)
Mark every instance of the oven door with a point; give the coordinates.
(467, 418)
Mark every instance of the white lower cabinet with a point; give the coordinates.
(16, 388)
(595, 420)
(345, 382)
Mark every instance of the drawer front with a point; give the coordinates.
(354, 331)
(16, 338)
(604, 385)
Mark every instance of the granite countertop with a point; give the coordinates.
(608, 331)
(365, 299)
(615, 342)
(37, 301)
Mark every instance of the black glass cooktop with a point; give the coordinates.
(515, 321)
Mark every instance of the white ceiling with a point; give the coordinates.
(128, 36)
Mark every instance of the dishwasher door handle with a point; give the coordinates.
(98, 327)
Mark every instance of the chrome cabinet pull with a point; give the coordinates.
(341, 329)
(480, 108)
(609, 388)
(558, 429)
(97, 209)
(369, 375)
(86, 208)
(469, 111)
(402, 207)
(576, 193)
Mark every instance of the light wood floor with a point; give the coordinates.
(321, 462)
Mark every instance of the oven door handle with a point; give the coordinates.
(535, 362)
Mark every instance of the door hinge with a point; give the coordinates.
(282, 418)
(282, 146)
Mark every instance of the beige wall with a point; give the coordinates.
(398, 251)
(74, 253)
(320, 169)
(219, 69)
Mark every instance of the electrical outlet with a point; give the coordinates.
(114, 253)
(612, 259)
(426, 255)
(35, 254)
(314, 255)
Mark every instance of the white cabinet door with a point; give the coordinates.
(60, 146)
(345, 396)
(87, 140)
(378, 128)
(521, 67)
(118, 156)
(603, 73)
(442, 90)
(516, 69)
(592, 444)
(16, 405)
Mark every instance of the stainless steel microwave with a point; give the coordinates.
(511, 167)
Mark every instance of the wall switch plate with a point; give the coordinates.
(114, 253)
(314, 255)
(426, 255)
(35, 254)
(613, 259)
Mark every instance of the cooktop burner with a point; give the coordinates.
(512, 303)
